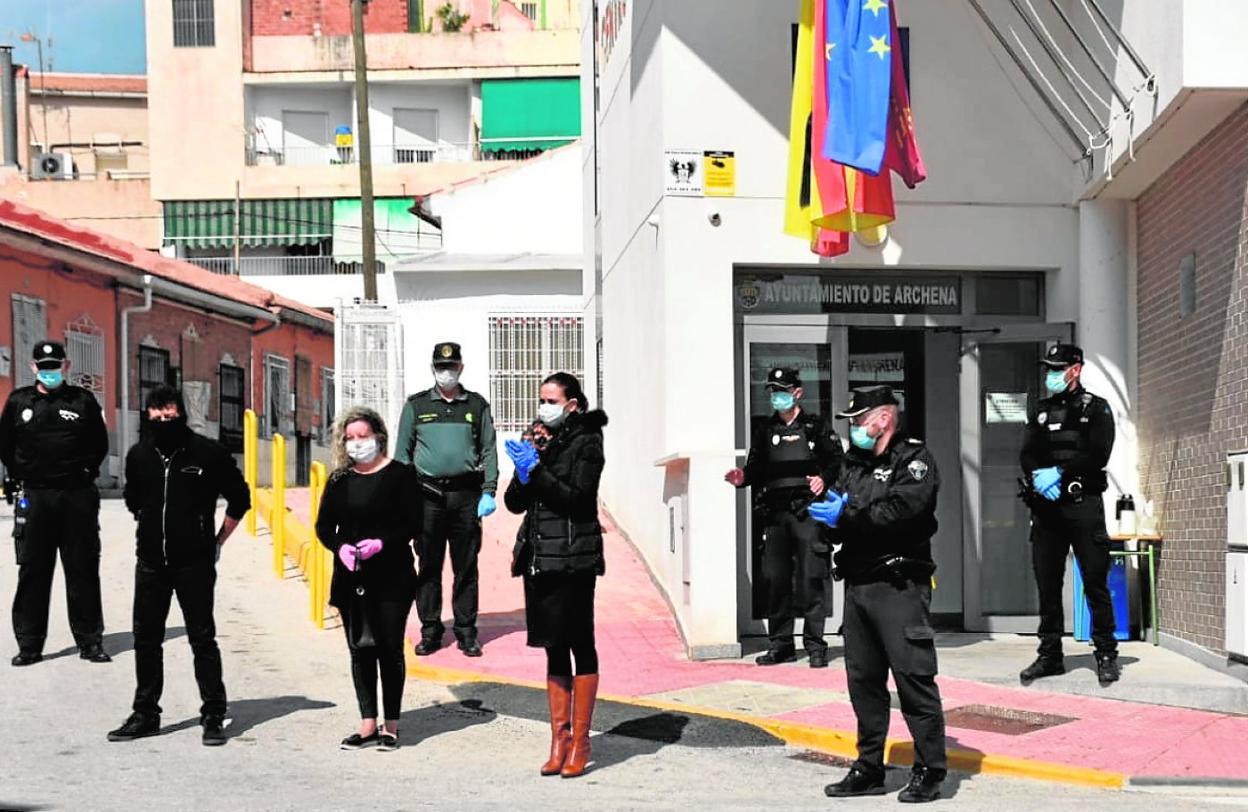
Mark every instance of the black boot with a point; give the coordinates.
(135, 727)
(94, 652)
(775, 656)
(24, 658)
(1044, 666)
(819, 658)
(213, 730)
(924, 785)
(1107, 670)
(858, 781)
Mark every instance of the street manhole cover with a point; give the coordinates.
(1007, 721)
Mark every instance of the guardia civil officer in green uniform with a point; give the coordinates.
(1069, 437)
(446, 432)
(882, 507)
(791, 457)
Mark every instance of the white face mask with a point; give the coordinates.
(552, 414)
(446, 378)
(362, 451)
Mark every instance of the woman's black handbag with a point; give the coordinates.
(359, 628)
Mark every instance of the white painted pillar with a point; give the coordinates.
(1106, 329)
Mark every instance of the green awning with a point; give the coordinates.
(525, 114)
(210, 223)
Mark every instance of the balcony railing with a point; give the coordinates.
(392, 154)
(281, 266)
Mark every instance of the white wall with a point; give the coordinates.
(266, 104)
(453, 103)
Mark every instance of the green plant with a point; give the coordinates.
(452, 19)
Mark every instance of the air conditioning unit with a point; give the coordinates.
(52, 166)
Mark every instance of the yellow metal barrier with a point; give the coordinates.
(277, 518)
(318, 574)
(251, 467)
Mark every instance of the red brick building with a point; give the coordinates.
(230, 345)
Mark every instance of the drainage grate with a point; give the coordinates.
(1007, 721)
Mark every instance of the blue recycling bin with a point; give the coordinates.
(1118, 578)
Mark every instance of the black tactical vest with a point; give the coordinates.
(1066, 429)
(790, 456)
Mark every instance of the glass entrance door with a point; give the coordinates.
(1000, 378)
(819, 356)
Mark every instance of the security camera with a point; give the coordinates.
(714, 219)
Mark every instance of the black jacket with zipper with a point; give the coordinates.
(560, 532)
(174, 499)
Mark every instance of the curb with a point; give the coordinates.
(823, 739)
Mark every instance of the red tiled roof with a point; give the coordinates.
(36, 223)
(89, 82)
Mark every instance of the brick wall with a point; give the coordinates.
(1193, 371)
(300, 17)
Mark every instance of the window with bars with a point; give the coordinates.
(524, 349)
(230, 406)
(327, 405)
(529, 10)
(193, 25)
(30, 324)
(84, 349)
(278, 409)
(153, 372)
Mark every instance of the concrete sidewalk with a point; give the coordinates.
(1066, 729)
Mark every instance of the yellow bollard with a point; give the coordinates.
(315, 559)
(277, 520)
(250, 465)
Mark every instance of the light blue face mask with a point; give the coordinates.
(1055, 381)
(782, 401)
(50, 378)
(860, 437)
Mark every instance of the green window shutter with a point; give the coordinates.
(210, 223)
(526, 114)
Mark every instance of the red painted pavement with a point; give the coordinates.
(641, 652)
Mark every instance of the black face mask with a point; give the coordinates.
(168, 435)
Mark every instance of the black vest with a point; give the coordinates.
(790, 455)
(1066, 424)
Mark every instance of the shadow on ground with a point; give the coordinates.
(245, 714)
(116, 643)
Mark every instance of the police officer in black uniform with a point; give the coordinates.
(791, 458)
(1068, 440)
(52, 442)
(883, 509)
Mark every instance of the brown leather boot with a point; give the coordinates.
(584, 693)
(559, 695)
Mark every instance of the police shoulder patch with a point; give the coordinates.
(918, 469)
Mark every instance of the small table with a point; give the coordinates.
(1149, 542)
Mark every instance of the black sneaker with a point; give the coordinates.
(818, 658)
(24, 658)
(94, 652)
(1042, 667)
(214, 730)
(1107, 669)
(857, 782)
(924, 786)
(355, 741)
(470, 647)
(136, 727)
(775, 656)
(427, 646)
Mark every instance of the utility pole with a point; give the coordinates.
(364, 146)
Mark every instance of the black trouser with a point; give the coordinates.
(1054, 530)
(65, 519)
(887, 627)
(388, 621)
(154, 588)
(449, 520)
(797, 570)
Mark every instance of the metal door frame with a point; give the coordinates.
(973, 618)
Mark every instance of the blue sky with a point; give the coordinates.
(88, 36)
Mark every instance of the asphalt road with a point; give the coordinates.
(473, 746)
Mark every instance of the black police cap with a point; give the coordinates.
(866, 398)
(783, 378)
(1061, 356)
(49, 354)
(447, 352)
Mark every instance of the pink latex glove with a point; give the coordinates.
(369, 548)
(349, 556)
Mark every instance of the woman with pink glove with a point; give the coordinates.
(369, 520)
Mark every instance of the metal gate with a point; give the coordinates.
(368, 360)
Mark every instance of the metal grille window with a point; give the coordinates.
(30, 324)
(277, 396)
(327, 405)
(230, 406)
(84, 349)
(523, 351)
(193, 24)
(529, 10)
(153, 371)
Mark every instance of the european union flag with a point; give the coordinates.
(858, 48)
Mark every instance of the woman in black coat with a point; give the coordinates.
(559, 554)
(368, 519)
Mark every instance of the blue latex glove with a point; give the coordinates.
(829, 511)
(1047, 482)
(486, 505)
(524, 456)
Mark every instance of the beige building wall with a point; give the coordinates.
(86, 117)
(123, 208)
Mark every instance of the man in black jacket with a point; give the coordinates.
(883, 509)
(52, 442)
(173, 480)
(792, 455)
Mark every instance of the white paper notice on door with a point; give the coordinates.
(1005, 407)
